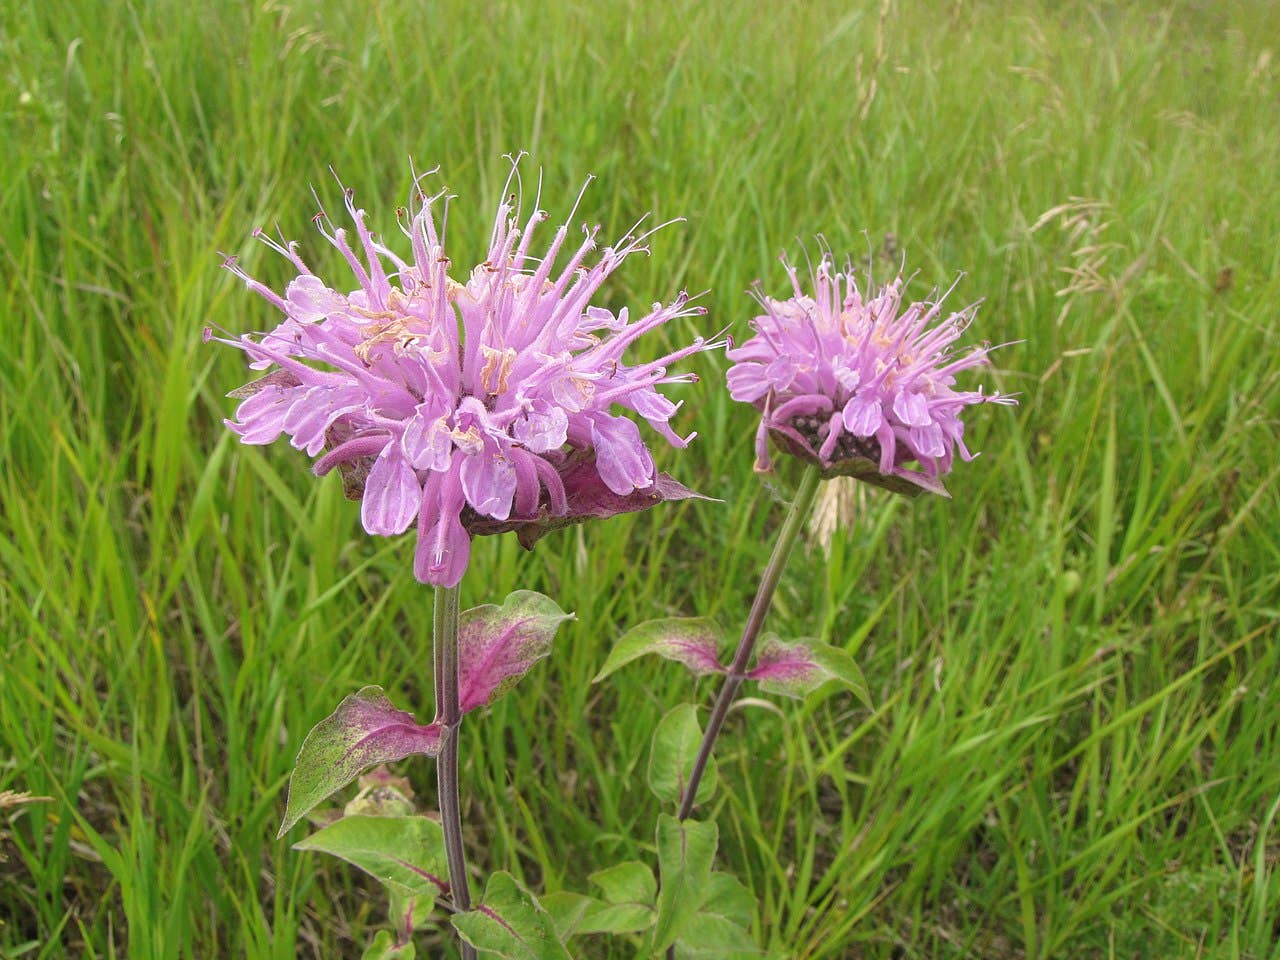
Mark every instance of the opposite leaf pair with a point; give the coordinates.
(496, 647)
(791, 669)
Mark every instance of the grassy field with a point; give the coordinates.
(1075, 750)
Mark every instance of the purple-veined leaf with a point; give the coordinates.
(405, 854)
(510, 923)
(692, 641)
(796, 669)
(364, 730)
(498, 645)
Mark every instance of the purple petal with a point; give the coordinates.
(312, 413)
(489, 483)
(862, 416)
(365, 729)
(426, 439)
(652, 405)
(833, 437)
(928, 441)
(262, 416)
(541, 430)
(623, 460)
(747, 382)
(762, 446)
(309, 300)
(528, 488)
(911, 408)
(392, 494)
(780, 372)
(444, 546)
(888, 445)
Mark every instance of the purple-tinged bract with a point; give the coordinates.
(859, 385)
(465, 407)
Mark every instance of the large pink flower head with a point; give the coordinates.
(858, 385)
(465, 407)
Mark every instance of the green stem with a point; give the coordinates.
(449, 716)
(796, 515)
(791, 526)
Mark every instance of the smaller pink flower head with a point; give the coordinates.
(859, 386)
(465, 407)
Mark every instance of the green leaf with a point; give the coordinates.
(629, 891)
(384, 947)
(693, 641)
(365, 729)
(685, 854)
(405, 853)
(567, 909)
(722, 926)
(627, 882)
(510, 923)
(845, 670)
(710, 937)
(727, 897)
(799, 668)
(675, 747)
(617, 918)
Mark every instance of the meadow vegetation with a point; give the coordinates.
(1075, 746)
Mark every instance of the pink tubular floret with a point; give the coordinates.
(858, 385)
(458, 403)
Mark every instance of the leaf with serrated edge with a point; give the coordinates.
(406, 854)
(692, 641)
(686, 850)
(797, 669)
(365, 729)
(509, 923)
(498, 645)
(627, 882)
(671, 757)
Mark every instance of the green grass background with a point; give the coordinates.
(1074, 751)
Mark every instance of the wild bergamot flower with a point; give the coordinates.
(495, 403)
(858, 385)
